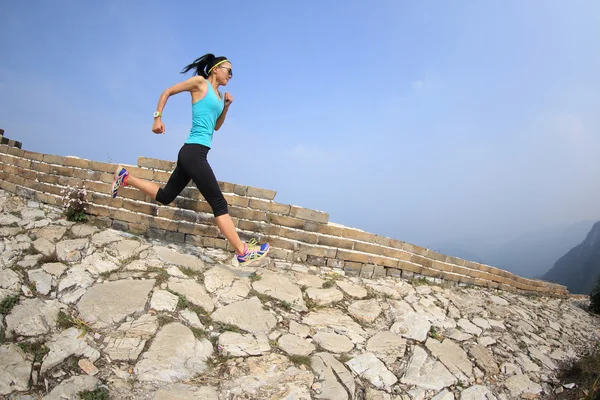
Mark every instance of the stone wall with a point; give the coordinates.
(296, 234)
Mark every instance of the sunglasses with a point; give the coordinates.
(228, 70)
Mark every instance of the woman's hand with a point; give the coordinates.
(228, 99)
(158, 127)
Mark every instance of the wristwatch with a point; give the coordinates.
(157, 114)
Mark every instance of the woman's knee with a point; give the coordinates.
(165, 197)
(219, 206)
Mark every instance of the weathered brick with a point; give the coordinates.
(98, 210)
(226, 187)
(107, 177)
(335, 263)
(23, 163)
(40, 167)
(433, 273)
(397, 254)
(352, 268)
(8, 186)
(206, 218)
(352, 256)
(316, 261)
(15, 151)
(98, 187)
(379, 260)
(284, 220)
(455, 260)
(77, 162)
(123, 215)
(165, 224)
(103, 167)
(105, 200)
(261, 193)
(366, 271)
(425, 262)
(175, 237)
(16, 179)
(447, 276)
(381, 240)
(414, 249)
(379, 271)
(156, 233)
(191, 193)
(240, 190)
(150, 209)
(394, 272)
(50, 159)
(68, 181)
(259, 227)
(137, 229)
(52, 189)
(237, 201)
(326, 229)
(434, 255)
(440, 266)
(335, 242)
(269, 206)
(246, 213)
(141, 173)
(120, 225)
(410, 267)
(301, 236)
(282, 243)
(368, 248)
(161, 176)
(154, 163)
(280, 254)
(357, 235)
(28, 174)
(198, 229)
(177, 214)
(3, 148)
(31, 155)
(309, 215)
(11, 169)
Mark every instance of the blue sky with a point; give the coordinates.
(424, 121)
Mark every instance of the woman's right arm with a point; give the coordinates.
(193, 84)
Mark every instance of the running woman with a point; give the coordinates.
(209, 109)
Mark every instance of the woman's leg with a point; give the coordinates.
(177, 182)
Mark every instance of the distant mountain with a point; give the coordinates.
(533, 253)
(579, 268)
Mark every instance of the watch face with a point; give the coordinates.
(156, 114)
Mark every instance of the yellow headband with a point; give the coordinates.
(217, 64)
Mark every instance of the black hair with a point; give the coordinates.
(203, 64)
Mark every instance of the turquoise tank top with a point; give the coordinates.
(204, 117)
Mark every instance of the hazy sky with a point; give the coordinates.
(424, 121)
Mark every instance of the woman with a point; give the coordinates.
(209, 109)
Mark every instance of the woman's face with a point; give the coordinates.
(223, 73)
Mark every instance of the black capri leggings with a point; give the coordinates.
(193, 165)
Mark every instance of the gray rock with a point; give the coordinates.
(179, 391)
(336, 380)
(83, 230)
(352, 290)
(193, 291)
(65, 344)
(387, 346)
(444, 395)
(125, 249)
(167, 363)
(163, 300)
(10, 280)
(55, 269)
(308, 280)
(519, 385)
(477, 392)
(333, 342)
(108, 303)
(53, 233)
(412, 326)
(369, 367)
(70, 388)
(44, 246)
(169, 256)
(30, 261)
(247, 315)
(299, 329)
(280, 288)
(100, 263)
(324, 297)
(15, 367)
(123, 348)
(70, 250)
(237, 292)
(334, 319)
(43, 282)
(484, 359)
(468, 327)
(33, 317)
(191, 318)
(365, 310)
(243, 345)
(372, 394)
(295, 345)
(431, 375)
(452, 356)
(105, 237)
(217, 279)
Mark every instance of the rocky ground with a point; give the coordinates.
(95, 313)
